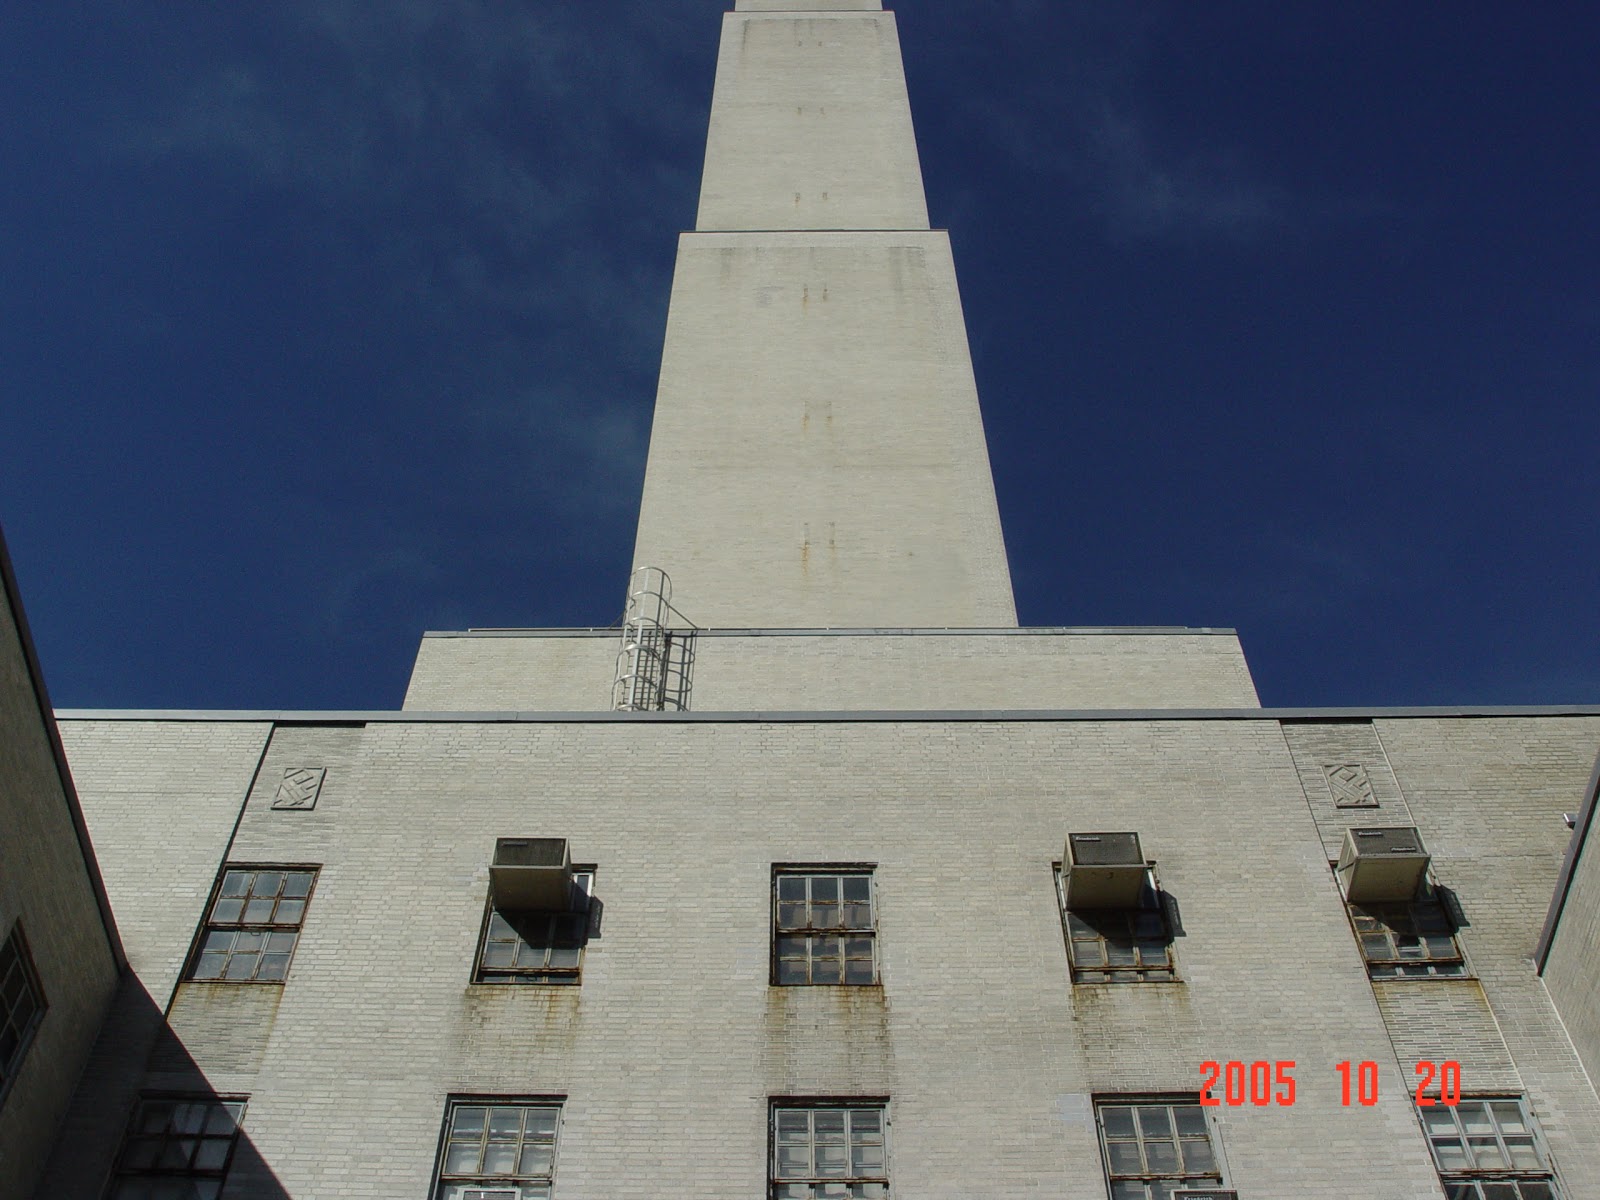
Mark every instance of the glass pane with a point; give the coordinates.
(1088, 954)
(1162, 1157)
(461, 1159)
(827, 970)
(212, 1154)
(227, 910)
(537, 1159)
(1124, 1158)
(258, 912)
(241, 966)
(467, 1121)
(1127, 1189)
(273, 966)
(1120, 954)
(793, 1125)
(564, 956)
(858, 971)
(499, 1158)
(824, 889)
(791, 887)
(290, 912)
(794, 1162)
(1375, 946)
(267, 883)
(1118, 1122)
(1508, 1115)
(210, 966)
(1538, 1191)
(505, 1124)
(281, 943)
(1450, 1155)
(867, 1160)
(833, 1160)
(297, 884)
(1154, 1123)
(791, 971)
(236, 883)
(499, 954)
(866, 1124)
(1523, 1155)
(221, 1119)
(1197, 1156)
(1499, 1191)
(857, 888)
(1438, 1120)
(1486, 1153)
(1190, 1120)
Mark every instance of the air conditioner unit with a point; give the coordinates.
(1379, 865)
(492, 1194)
(1103, 870)
(531, 873)
(1205, 1194)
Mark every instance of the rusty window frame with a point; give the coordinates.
(22, 1004)
(1425, 922)
(1479, 1133)
(227, 937)
(178, 1138)
(1133, 1151)
(1103, 928)
(452, 1183)
(551, 935)
(846, 941)
(864, 1168)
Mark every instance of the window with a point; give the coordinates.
(499, 1150)
(1153, 1147)
(830, 1150)
(1119, 945)
(1489, 1149)
(177, 1147)
(21, 1004)
(537, 947)
(825, 927)
(1409, 938)
(254, 924)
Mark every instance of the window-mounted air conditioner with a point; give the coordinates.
(531, 873)
(1205, 1194)
(1379, 865)
(1103, 870)
(491, 1194)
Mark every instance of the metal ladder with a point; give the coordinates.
(653, 665)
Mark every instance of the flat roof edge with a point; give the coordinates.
(417, 716)
(868, 631)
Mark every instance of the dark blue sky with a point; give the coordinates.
(323, 323)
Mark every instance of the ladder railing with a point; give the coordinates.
(653, 665)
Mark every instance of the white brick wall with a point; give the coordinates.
(672, 1045)
(503, 671)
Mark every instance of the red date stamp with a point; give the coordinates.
(1266, 1083)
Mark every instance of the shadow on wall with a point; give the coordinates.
(145, 1115)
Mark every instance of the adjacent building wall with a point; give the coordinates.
(1570, 948)
(50, 887)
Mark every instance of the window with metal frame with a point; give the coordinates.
(537, 947)
(254, 924)
(1119, 945)
(21, 1004)
(834, 1149)
(498, 1149)
(825, 926)
(1153, 1147)
(179, 1147)
(1489, 1148)
(1409, 939)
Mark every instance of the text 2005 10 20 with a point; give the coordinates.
(1263, 1083)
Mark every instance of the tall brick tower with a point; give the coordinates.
(818, 458)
